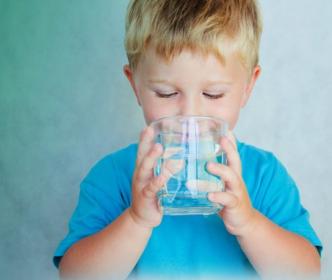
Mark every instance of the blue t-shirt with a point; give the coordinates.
(188, 245)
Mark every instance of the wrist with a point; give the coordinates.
(138, 222)
(251, 226)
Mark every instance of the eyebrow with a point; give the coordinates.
(159, 82)
(218, 82)
(208, 83)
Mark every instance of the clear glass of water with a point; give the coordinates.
(189, 143)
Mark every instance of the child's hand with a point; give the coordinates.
(144, 208)
(238, 214)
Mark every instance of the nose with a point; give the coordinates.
(191, 106)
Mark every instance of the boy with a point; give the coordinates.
(193, 57)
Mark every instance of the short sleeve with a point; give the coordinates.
(281, 203)
(100, 202)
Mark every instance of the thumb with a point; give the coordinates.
(226, 199)
(154, 186)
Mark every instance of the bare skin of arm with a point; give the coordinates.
(113, 252)
(272, 250)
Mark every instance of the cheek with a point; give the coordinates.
(151, 116)
(153, 110)
(233, 117)
(148, 108)
(229, 111)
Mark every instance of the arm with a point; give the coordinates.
(114, 251)
(271, 249)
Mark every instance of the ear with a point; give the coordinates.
(130, 76)
(254, 76)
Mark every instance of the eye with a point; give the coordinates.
(214, 96)
(165, 95)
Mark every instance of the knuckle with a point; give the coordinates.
(223, 168)
(235, 201)
(142, 134)
(154, 182)
(139, 176)
(146, 164)
(152, 151)
(147, 192)
(166, 173)
(139, 157)
(161, 179)
(153, 186)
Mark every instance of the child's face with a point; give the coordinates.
(191, 84)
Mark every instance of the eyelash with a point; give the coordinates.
(211, 96)
(162, 95)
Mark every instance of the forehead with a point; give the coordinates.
(189, 62)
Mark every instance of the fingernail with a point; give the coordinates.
(209, 165)
(226, 141)
(225, 138)
(156, 147)
(212, 164)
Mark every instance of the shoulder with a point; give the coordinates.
(123, 154)
(110, 178)
(274, 193)
(112, 174)
(119, 156)
(260, 161)
(253, 153)
(265, 176)
(120, 160)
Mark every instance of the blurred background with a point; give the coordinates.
(65, 103)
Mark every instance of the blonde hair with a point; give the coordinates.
(217, 26)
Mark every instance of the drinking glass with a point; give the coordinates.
(189, 143)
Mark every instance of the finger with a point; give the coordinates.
(233, 157)
(224, 198)
(172, 166)
(170, 151)
(203, 186)
(154, 186)
(145, 169)
(230, 135)
(145, 143)
(232, 181)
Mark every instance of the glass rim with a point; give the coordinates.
(177, 117)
